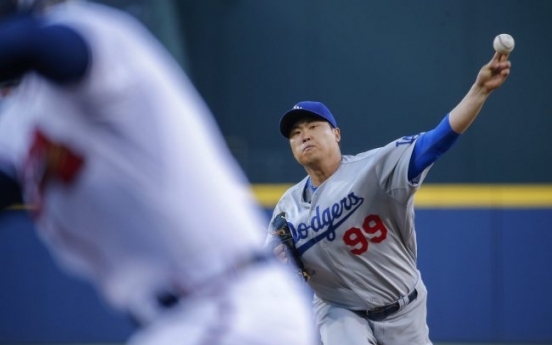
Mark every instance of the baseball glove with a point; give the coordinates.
(282, 235)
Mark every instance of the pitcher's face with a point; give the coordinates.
(313, 140)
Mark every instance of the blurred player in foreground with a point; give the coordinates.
(352, 219)
(131, 183)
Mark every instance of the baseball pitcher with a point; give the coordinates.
(352, 219)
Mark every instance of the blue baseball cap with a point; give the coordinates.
(302, 109)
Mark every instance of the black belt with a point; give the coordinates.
(168, 299)
(381, 313)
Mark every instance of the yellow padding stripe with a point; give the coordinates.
(439, 196)
(20, 207)
(451, 195)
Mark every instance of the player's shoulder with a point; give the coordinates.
(294, 192)
(297, 187)
(397, 144)
(406, 140)
(362, 156)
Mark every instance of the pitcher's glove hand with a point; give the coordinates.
(281, 235)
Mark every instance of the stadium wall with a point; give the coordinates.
(483, 253)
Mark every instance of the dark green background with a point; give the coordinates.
(384, 68)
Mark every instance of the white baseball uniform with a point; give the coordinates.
(357, 239)
(135, 190)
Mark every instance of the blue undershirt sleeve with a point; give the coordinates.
(55, 51)
(430, 146)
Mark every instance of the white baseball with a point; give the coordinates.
(504, 43)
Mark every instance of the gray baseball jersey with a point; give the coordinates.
(356, 236)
